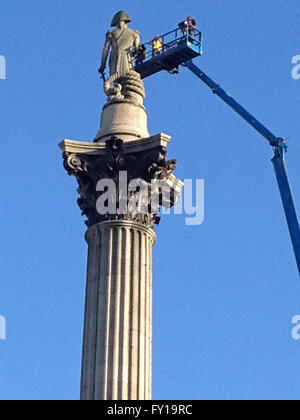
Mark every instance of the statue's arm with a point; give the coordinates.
(137, 41)
(105, 52)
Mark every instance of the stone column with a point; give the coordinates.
(117, 352)
(117, 349)
(133, 166)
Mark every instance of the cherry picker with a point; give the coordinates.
(180, 48)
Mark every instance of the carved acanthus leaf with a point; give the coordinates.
(145, 165)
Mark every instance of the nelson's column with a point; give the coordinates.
(112, 172)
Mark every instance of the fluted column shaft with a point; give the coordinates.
(117, 349)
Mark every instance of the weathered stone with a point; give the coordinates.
(124, 119)
(144, 160)
(117, 352)
(122, 43)
(117, 345)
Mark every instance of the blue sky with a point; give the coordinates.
(225, 292)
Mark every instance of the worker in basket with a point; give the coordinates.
(141, 54)
(157, 45)
(191, 23)
(188, 26)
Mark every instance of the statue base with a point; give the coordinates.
(125, 119)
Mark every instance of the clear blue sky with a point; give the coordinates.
(224, 292)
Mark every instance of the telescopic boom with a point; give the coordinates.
(279, 148)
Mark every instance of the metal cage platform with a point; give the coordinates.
(177, 48)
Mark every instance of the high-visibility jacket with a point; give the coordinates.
(157, 45)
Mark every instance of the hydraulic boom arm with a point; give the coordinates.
(279, 148)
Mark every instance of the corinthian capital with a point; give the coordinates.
(120, 168)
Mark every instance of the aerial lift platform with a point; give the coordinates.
(180, 48)
(176, 50)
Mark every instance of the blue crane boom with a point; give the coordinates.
(279, 148)
(179, 48)
(217, 90)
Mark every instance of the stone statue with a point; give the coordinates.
(123, 43)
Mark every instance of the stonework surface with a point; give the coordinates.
(124, 82)
(117, 352)
(124, 119)
(139, 160)
(117, 349)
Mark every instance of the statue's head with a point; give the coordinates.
(120, 17)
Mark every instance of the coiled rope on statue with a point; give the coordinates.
(116, 90)
(125, 86)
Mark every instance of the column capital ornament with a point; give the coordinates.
(145, 164)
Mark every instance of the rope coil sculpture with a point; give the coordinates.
(127, 86)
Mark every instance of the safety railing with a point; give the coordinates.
(169, 41)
